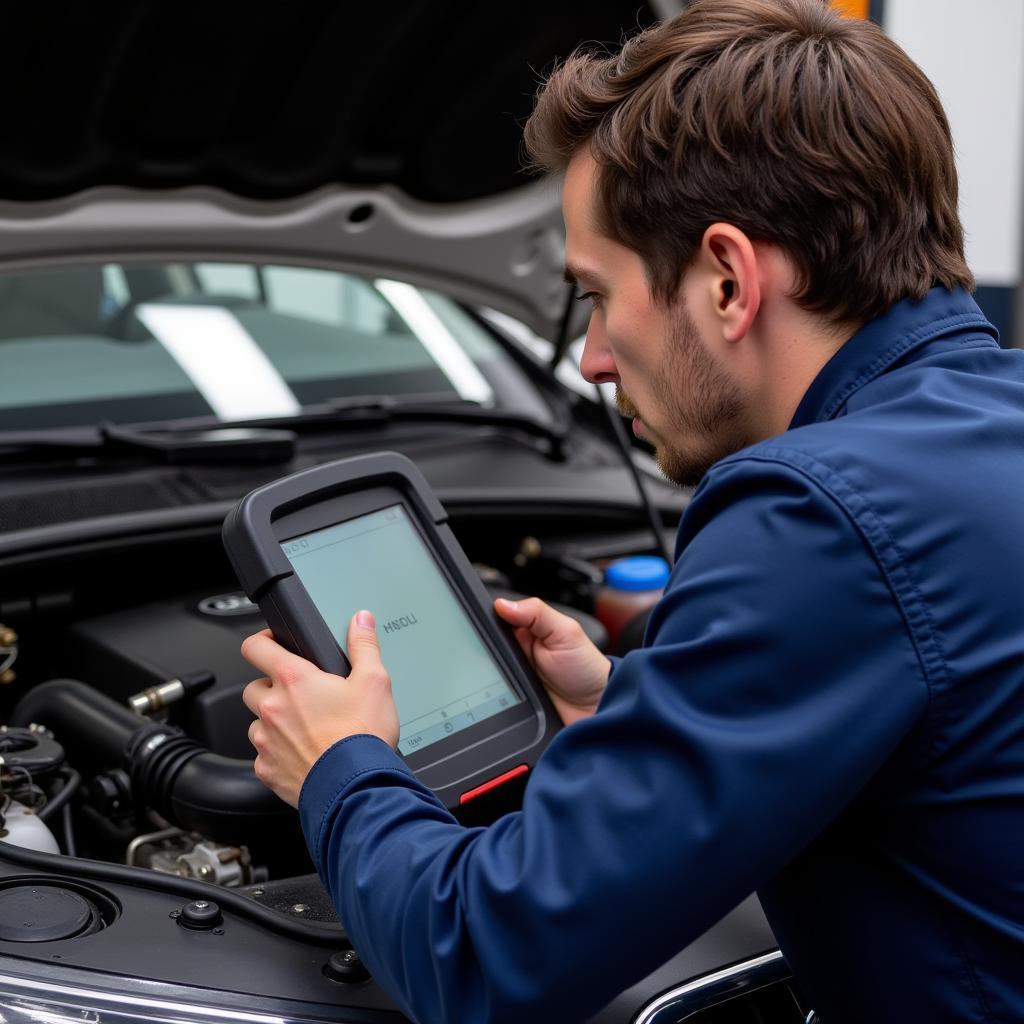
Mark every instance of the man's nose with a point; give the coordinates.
(597, 363)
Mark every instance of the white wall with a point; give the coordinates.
(973, 51)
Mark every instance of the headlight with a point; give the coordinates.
(44, 1000)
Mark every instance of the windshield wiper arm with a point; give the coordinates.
(372, 410)
(269, 439)
(232, 444)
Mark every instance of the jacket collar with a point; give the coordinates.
(906, 327)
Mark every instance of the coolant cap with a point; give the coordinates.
(641, 572)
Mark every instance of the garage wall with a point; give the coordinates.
(973, 51)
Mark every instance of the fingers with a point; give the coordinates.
(538, 618)
(363, 644)
(263, 652)
(253, 694)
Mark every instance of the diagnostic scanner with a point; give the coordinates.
(368, 532)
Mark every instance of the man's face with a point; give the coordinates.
(667, 378)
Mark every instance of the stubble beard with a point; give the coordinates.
(702, 405)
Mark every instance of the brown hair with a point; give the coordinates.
(800, 127)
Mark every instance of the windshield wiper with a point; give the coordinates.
(372, 410)
(219, 445)
(266, 440)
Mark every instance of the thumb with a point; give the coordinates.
(512, 612)
(363, 645)
(522, 612)
(534, 615)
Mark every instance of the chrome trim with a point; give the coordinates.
(34, 1001)
(25, 1000)
(729, 982)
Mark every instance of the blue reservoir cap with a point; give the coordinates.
(642, 572)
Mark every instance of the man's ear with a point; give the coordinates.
(731, 266)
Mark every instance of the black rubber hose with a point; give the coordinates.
(69, 832)
(194, 788)
(322, 932)
(98, 728)
(72, 780)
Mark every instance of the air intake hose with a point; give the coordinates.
(192, 787)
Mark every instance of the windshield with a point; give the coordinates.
(131, 343)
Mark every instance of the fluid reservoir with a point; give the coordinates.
(21, 826)
(631, 586)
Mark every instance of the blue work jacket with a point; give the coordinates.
(828, 708)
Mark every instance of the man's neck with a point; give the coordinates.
(798, 348)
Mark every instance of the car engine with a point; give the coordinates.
(123, 736)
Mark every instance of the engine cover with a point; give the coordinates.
(127, 651)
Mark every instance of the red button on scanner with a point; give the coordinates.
(498, 780)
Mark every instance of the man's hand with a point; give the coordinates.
(573, 670)
(301, 711)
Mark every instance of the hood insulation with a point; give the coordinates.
(273, 101)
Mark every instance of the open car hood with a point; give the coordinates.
(380, 139)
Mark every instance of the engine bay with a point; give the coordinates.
(123, 735)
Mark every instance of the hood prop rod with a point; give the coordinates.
(619, 434)
(622, 439)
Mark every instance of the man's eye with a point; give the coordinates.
(593, 296)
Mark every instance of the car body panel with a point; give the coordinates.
(505, 252)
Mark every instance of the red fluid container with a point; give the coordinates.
(631, 586)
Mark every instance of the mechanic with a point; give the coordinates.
(760, 200)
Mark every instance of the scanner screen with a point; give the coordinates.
(443, 677)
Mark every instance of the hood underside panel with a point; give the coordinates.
(274, 101)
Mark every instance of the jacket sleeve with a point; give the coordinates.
(776, 678)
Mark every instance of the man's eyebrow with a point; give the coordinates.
(573, 274)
